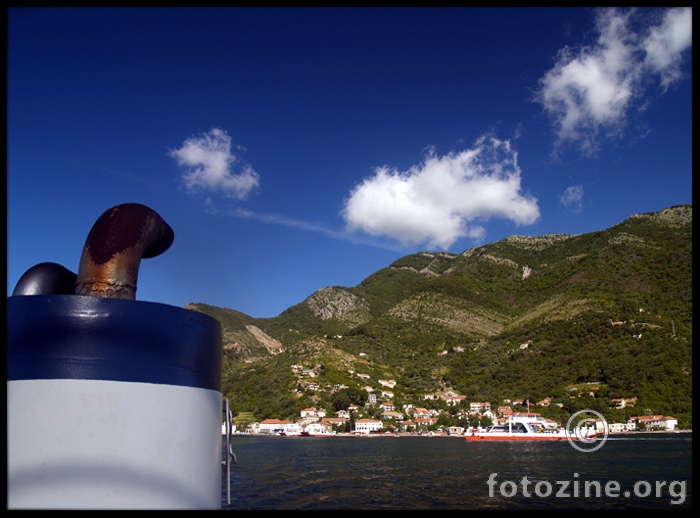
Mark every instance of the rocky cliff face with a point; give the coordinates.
(273, 346)
(339, 304)
(674, 216)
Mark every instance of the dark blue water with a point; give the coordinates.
(450, 473)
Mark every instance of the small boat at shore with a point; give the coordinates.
(290, 430)
(525, 429)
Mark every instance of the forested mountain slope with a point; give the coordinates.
(523, 317)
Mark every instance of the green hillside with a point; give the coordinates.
(525, 317)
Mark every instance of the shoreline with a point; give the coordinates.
(434, 435)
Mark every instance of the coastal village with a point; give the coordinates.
(380, 415)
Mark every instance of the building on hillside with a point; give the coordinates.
(504, 411)
(424, 422)
(333, 423)
(488, 413)
(629, 426)
(623, 402)
(406, 424)
(480, 406)
(419, 412)
(365, 426)
(655, 422)
(311, 414)
(455, 400)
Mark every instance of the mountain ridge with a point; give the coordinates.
(435, 319)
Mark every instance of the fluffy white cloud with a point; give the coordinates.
(666, 42)
(591, 89)
(436, 201)
(572, 199)
(208, 162)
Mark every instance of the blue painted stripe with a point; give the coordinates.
(79, 337)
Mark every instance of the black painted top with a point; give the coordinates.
(80, 337)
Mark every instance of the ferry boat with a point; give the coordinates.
(525, 428)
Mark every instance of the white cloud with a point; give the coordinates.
(572, 199)
(666, 42)
(436, 201)
(591, 89)
(208, 162)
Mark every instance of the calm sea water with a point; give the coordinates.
(450, 473)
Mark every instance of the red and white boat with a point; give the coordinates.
(290, 430)
(526, 428)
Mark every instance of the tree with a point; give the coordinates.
(347, 396)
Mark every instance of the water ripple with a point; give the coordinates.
(441, 473)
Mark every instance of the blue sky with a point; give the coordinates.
(294, 149)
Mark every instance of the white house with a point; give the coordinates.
(656, 422)
(629, 426)
(421, 412)
(312, 413)
(488, 413)
(367, 425)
